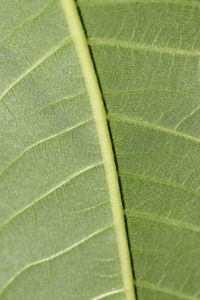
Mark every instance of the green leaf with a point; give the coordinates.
(100, 143)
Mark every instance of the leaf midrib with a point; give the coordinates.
(99, 113)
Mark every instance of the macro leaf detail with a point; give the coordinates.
(99, 150)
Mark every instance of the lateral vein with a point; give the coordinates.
(53, 256)
(144, 47)
(159, 219)
(61, 44)
(125, 119)
(155, 180)
(148, 285)
(146, 2)
(107, 294)
(29, 19)
(49, 192)
(31, 147)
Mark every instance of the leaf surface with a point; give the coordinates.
(67, 178)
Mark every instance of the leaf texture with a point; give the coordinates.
(62, 232)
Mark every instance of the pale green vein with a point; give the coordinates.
(114, 2)
(53, 256)
(155, 180)
(29, 19)
(144, 47)
(32, 146)
(98, 109)
(107, 275)
(52, 51)
(187, 117)
(108, 294)
(91, 208)
(148, 285)
(159, 219)
(142, 91)
(49, 192)
(124, 119)
(58, 101)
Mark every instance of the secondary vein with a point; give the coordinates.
(52, 51)
(99, 113)
(49, 192)
(143, 47)
(52, 257)
(129, 120)
(164, 290)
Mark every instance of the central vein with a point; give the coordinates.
(99, 113)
